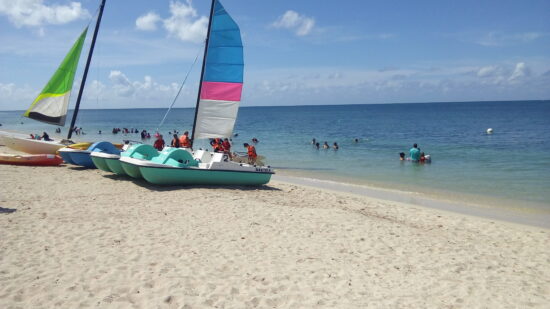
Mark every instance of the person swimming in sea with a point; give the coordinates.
(317, 145)
(326, 146)
(313, 141)
(335, 146)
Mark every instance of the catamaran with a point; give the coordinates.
(52, 103)
(216, 110)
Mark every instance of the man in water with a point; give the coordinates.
(415, 153)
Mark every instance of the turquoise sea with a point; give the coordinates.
(509, 167)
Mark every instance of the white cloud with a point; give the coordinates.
(148, 22)
(496, 38)
(291, 20)
(184, 24)
(322, 85)
(121, 84)
(34, 13)
(492, 71)
(123, 87)
(520, 72)
(503, 81)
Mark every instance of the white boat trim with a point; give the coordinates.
(104, 155)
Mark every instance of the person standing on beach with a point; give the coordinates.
(184, 140)
(251, 151)
(415, 153)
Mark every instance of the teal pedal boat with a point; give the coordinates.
(107, 162)
(136, 153)
(175, 166)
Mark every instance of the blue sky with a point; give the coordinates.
(296, 52)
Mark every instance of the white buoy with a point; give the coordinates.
(490, 131)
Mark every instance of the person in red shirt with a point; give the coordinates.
(159, 143)
(251, 150)
(184, 140)
(227, 148)
(216, 145)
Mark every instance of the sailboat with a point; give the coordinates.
(52, 103)
(217, 106)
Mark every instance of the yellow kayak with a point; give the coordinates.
(84, 146)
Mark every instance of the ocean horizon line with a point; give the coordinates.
(315, 105)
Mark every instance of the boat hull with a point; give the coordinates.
(100, 163)
(77, 157)
(107, 162)
(196, 176)
(115, 166)
(31, 160)
(65, 156)
(131, 170)
(22, 143)
(84, 157)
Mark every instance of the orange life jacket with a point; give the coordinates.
(184, 141)
(252, 151)
(226, 145)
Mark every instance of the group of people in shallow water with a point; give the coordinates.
(415, 155)
(316, 144)
(144, 134)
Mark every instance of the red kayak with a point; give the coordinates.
(34, 160)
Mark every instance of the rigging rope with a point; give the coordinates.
(179, 91)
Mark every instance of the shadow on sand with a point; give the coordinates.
(78, 168)
(144, 184)
(7, 210)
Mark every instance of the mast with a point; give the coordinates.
(101, 6)
(202, 72)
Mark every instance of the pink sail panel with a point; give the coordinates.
(221, 91)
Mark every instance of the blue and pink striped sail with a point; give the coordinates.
(222, 82)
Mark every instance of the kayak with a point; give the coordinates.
(32, 160)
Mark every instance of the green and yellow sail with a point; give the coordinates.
(52, 103)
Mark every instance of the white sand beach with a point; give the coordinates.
(73, 238)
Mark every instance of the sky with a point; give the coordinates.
(305, 52)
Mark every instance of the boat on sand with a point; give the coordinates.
(218, 101)
(51, 105)
(82, 157)
(31, 160)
